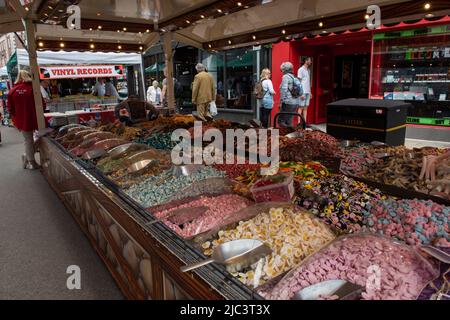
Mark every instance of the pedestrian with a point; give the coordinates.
(110, 89)
(99, 88)
(154, 93)
(290, 93)
(44, 92)
(267, 97)
(304, 74)
(203, 92)
(23, 112)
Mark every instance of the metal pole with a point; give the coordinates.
(34, 69)
(170, 94)
(258, 73)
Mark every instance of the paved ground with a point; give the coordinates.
(39, 239)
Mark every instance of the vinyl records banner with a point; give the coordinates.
(71, 72)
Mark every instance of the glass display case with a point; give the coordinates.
(414, 65)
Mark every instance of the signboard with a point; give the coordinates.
(70, 72)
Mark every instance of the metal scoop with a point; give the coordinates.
(94, 154)
(295, 135)
(236, 255)
(344, 290)
(436, 253)
(186, 170)
(141, 166)
(349, 143)
(378, 144)
(183, 215)
(119, 151)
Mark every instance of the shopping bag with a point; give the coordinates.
(213, 108)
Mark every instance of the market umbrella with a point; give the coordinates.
(12, 62)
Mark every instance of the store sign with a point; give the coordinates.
(69, 72)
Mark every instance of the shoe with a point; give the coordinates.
(24, 161)
(32, 165)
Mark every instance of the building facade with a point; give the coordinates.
(8, 44)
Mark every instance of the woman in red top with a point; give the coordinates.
(23, 112)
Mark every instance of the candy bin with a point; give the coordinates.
(388, 270)
(291, 233)
(276, 188)
(194, 215)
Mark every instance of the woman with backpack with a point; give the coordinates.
(290, 93)
(265, 93)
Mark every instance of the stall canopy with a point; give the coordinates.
(79, 58)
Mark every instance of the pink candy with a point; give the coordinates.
(388, 270)
(218, 208)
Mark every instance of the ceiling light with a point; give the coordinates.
(427, 6)
(41, 44)
(124, 29)
(118, 30)
(321, 24)
(119, 47)
(229, 41)
(187, 21)
(90, 29)
(283, 31)
(219, 10)
(202, 16)
(239, 4)
(148, 30)
(27, 9)
(254, 37)
(50, 7)
(366, 17)
(429, 15)
(92, 46)
(140, 48)
(99, 27)
(62, 45)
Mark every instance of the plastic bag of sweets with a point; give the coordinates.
(201, 213)
(388, 270)
(292, 234)
(439, 289)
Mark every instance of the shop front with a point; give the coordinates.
(408, 62)
(235, 73)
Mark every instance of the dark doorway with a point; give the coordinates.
(351, 78)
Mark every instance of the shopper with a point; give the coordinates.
(154, 93)
(23, 112)
(267, 97)
(203, 92)
(110, 89)
(304, 74)
(44, 92)
(290, 93)
(99, 88)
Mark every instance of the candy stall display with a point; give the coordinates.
(215, 209)
(413, 221)
(292, 234)
(402, 273)
(297, 210)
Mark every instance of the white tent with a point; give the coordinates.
(3, 72)
(79, 58)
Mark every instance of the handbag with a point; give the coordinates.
(213, 108)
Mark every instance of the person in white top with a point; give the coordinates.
(44, 92)
(267, 100)
(154, 94)
(99, 88)
(304, 74)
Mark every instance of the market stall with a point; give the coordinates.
(71, 77)
(148, 218)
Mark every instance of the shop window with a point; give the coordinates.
(414, 65)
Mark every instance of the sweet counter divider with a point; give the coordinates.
(143, 259)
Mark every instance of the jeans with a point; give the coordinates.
(29, 145)
(287, 120)
(265, 117)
